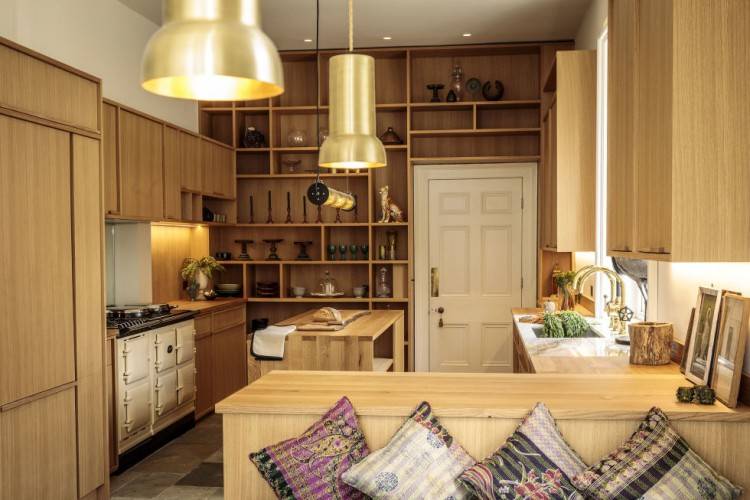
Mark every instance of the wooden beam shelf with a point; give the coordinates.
(475, 131)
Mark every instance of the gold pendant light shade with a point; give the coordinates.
(212, 50)
(352, 143)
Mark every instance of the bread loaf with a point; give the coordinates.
(327, 315)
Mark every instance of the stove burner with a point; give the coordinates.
(135, 319)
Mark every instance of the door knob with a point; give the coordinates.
(440, 310)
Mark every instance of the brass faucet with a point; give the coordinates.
(613, 306)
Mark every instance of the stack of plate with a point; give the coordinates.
(228, 289)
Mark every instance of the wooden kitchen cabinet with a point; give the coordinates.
(52, 394)
(172, 174)
(220, 356)
(110, 159)
(568, 204)
(217, 163)
(140, 145)
(191, 176)
(230, 361)
(678, 77)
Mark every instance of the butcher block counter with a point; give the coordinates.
(573, 355)
(373, 342)
(595, 414)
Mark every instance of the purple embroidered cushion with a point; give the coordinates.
(310, 466)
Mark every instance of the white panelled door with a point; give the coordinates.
(475, 254)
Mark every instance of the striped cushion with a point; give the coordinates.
(535, 462)
(654, 463)
(421, 461)
(310, 465)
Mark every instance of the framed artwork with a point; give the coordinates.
(730, 348)
(701, 347)
(688, 336)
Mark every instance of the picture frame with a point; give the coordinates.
(731, 339)
(700, 349)
(688, 336)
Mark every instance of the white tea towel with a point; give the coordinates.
(268, 343)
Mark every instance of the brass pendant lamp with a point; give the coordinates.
(212, 50)
(352, 143)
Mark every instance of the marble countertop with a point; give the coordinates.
(579, 355)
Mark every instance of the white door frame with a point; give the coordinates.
(422, 175)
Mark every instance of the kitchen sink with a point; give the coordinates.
(590, 333)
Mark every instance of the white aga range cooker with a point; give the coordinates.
(155, 369)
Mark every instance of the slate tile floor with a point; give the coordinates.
(190, 467)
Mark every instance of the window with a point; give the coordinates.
(631, 295)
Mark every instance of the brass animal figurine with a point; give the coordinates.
(391, 211)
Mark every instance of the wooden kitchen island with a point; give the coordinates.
(373, 342)
(594, 413)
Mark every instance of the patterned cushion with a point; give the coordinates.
(310, 465)
(535, 462)
(654, 463)
(421, 461)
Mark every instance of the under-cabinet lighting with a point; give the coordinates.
(308, 40)
(387, 38)
(466, 35)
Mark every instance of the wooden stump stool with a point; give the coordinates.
(650, 343)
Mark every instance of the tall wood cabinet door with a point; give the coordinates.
(89, 317)
(230, 361)
(552, 177)
(225, 170)
(622, 71)
(204, 395)
(209, 185)
(172, 174)
(36, 349)
(110, 159)
(38, 449)
(545, 186)
(141, 166)
(190, 161)
(653, 129)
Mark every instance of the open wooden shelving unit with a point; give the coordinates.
(470, 131)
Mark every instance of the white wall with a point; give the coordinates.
(591, 25)
(677, 290)
(101, 37)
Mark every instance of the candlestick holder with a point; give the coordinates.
(303, 250)
(243, 254)
(304, 209)
(319, 220)
(272, 255)
(252, 210)
(288, 208)
(269, 220)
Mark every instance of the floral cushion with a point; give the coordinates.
(310, 466)
(422, 460)
(655, 462)
(535, 462)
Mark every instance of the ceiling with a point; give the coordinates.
(410, 22)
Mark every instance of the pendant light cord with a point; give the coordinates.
(317, 81)
(351, 25)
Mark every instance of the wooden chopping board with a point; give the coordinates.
(347, 316)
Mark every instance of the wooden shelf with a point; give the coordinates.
(390, 262)
(474, 159)
(381, 364)
(475, 132)
(300, 149)
(293, 225)
(307, 299)
(389, 299)
(253, 150)
(311, 175)
(390, 224)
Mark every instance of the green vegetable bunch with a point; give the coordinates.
(565, 324)
(553, 326)
(564, 279)
(573, 324)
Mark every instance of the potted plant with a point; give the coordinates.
(196, 273)
(564, 282)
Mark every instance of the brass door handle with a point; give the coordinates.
(434, 282)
